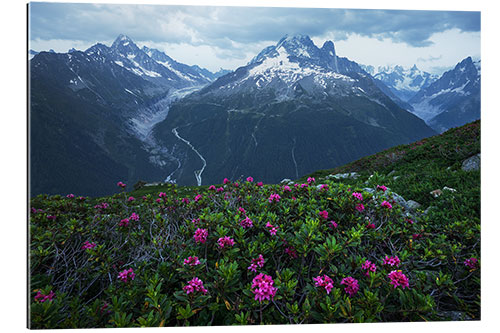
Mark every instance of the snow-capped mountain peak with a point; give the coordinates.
(404, 82)
(454, 99)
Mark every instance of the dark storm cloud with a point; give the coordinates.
(221, 26)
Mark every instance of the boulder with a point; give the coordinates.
(413, 205)
(446, 188)
(400, 200)
(369, 190)
(286, 181)
(429, 209)
(353, 175)
(472, 163)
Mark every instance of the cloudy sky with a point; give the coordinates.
(228, 37)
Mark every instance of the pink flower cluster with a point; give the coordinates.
(211, 188)
(246, 223)
(274, 197)
(88, 245)
(226, 181)
(472, 263)
(42, 298)
(260, 184)
(257, 263)
(225, 241)
(185, 200)
(263, 287)
(200, 235)
(194, 285)
(272, 229)
(360, 207)
(398, 279)
(324, 214)
(290, 250)
(198, 198)
(323, 187)
(162, 195)
(333, 225)
(392, 261)
(386, 204)
(358, 196)
(120, 184)
(287, 188)
(126, 274)
(324, 281)
(382, 188)
(249, 179)
(191, 261)
(369, 267)
(70, 196)
(124, 223)
(242, 210)
(131, 199)
(370, 226)
(103, 205)
(351, 284)
(311, 180)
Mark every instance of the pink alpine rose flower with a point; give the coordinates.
(272, 229)
(360, 207)
(124, 223)
(324, 281)
(256, 263)
(126, 274)
(263, 287)
(274, 197)
(43, 298)
(87, 245)
(386, 204)
(358, 196)
(369, 267)
(351, 284)
(392, 261)
(225, 241)
(381, 188)
(195, 285)
(246, 223)
(200, 235)
(398, 279)
(192, 261)
(471, 263)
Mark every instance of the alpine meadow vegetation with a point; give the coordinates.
(320, 249)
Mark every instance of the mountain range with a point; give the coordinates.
(452, 100)
(124, 113)
(292, 109)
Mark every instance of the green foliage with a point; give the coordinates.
(432, 249)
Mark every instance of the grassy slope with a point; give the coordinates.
(442, 288)
(411, 170)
